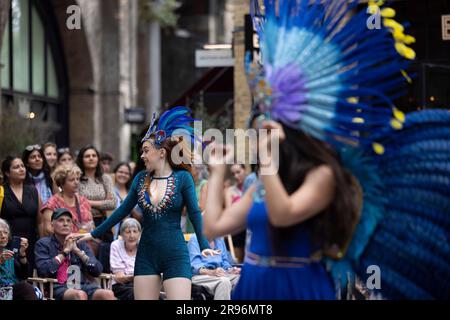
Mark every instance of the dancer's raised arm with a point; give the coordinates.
(219, 221)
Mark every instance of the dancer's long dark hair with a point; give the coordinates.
(299, 154)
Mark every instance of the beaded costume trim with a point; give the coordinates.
(166, 202)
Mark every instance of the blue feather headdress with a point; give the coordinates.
(176, 121)
(326, 71)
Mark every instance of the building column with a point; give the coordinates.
(242, 96)
(128, 78)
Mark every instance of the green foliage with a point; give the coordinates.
(161, 11)
(17, 132)
(219, 121)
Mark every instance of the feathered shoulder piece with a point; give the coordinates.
(176, 121)
(330, 68)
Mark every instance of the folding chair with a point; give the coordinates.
(231, 249)
(44, 284)
(106, 280)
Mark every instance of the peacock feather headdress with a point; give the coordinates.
(176, 121)
(327, 71)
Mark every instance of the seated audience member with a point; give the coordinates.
(14, 266)
(56, 253)
(122, 258)
(214, 273)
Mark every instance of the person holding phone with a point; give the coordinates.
(15, 244)
(14, 264)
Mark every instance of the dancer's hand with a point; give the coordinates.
(268, 147)
(82, 237)
(274, 132)
(211, 252)
(219, 156)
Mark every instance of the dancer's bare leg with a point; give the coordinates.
(147, 287)
(178, 289)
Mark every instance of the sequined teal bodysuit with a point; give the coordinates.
(162, 248)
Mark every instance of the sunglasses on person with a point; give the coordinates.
(63, 150)
(33, 147)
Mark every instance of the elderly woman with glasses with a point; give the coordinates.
(20, 206)
(38, 171)
(122, 258)
(14, 266)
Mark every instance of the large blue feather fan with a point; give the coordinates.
(404, 228)
(326, 71)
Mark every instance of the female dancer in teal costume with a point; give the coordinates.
(343, 189)
(161, 191)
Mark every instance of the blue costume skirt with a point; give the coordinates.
(310, 282)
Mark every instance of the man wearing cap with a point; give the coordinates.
(56, 253)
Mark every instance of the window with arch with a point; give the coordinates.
(31, 77)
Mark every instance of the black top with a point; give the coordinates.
(22, 217)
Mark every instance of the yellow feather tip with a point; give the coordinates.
(397, 125)
(409, 39)
(388, 13)
(405, 51)
(372, 9)
(390, 23)
(399, 36)
(353, 100)
(405, 75)
(409, 53)
(398, 114)
(378, 148)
